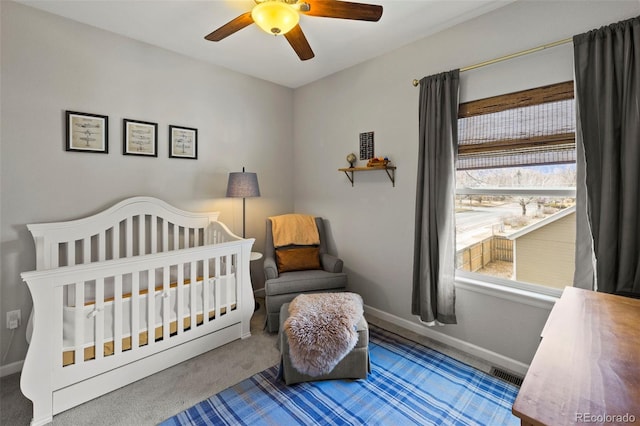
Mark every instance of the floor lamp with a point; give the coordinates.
(243, 185)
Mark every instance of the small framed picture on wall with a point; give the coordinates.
(87, 132)
(366, 145)
(139, 138)
(183, 142)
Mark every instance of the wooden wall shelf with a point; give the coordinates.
(391, 172)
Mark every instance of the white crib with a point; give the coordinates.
(126, 293)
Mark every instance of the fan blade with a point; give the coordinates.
(299, 42)
(344, 10)
(231, 27)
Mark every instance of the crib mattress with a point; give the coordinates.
(89, 346)
(68, 357)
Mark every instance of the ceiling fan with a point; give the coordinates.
(282, 16)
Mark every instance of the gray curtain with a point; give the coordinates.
(433, 298)
(607, 73)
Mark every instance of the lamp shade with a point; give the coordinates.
(243, 185)
(275, 17)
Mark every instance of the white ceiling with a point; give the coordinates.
(180, 26)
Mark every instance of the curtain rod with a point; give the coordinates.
(511, 56)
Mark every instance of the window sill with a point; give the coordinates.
(506, 289)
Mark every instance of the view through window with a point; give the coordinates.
(515, 187)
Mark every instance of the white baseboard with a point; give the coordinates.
(9, 369)
(491, 357)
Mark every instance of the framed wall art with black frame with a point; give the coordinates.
(87, 132)
(366, 145)
(139, 138)
(183, 142)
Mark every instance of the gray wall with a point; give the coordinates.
(50, 64)
(372, 222)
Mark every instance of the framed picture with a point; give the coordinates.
(140, 138)
(366, 145)
(183, 142)
(87, 132)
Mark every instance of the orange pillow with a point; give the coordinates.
(298, 259)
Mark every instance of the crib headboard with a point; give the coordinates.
(133, 227)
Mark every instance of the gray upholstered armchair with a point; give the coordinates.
(281, 287)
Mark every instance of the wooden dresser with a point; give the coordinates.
(587, 367)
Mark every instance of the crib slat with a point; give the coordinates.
(196, 237)
(86, 250)
(135, 310)
(99, 319)
(57, 328)
(151, 307)
(154, 234)
(165, 235)
(193, 299)
(71, 260)
(71, 253)
(216, 283)
(128, 232)
(117, 315)
(228, 282)
(141, 232)
(78, 323)
(205, 290)
(166, 304)
(55, 256)
(174, 237)
(108, 243)
(102, 245)
(180, 299)
(116, 241)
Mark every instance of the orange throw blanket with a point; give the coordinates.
(298, 229)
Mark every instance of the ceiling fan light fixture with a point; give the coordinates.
(275, 17)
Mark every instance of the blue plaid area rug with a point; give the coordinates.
(409, 384)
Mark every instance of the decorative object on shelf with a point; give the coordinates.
(366, 145)
(183, 142)
(139, 138)
(377, 161)
(87, 132)
(351, 158)
(243, 185)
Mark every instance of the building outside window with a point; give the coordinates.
(515, 189)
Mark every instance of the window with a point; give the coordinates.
(515, 188)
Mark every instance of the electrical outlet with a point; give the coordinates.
(13, 319)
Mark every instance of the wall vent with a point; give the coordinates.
(506, 376)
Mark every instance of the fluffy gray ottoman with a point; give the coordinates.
(355, 365)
